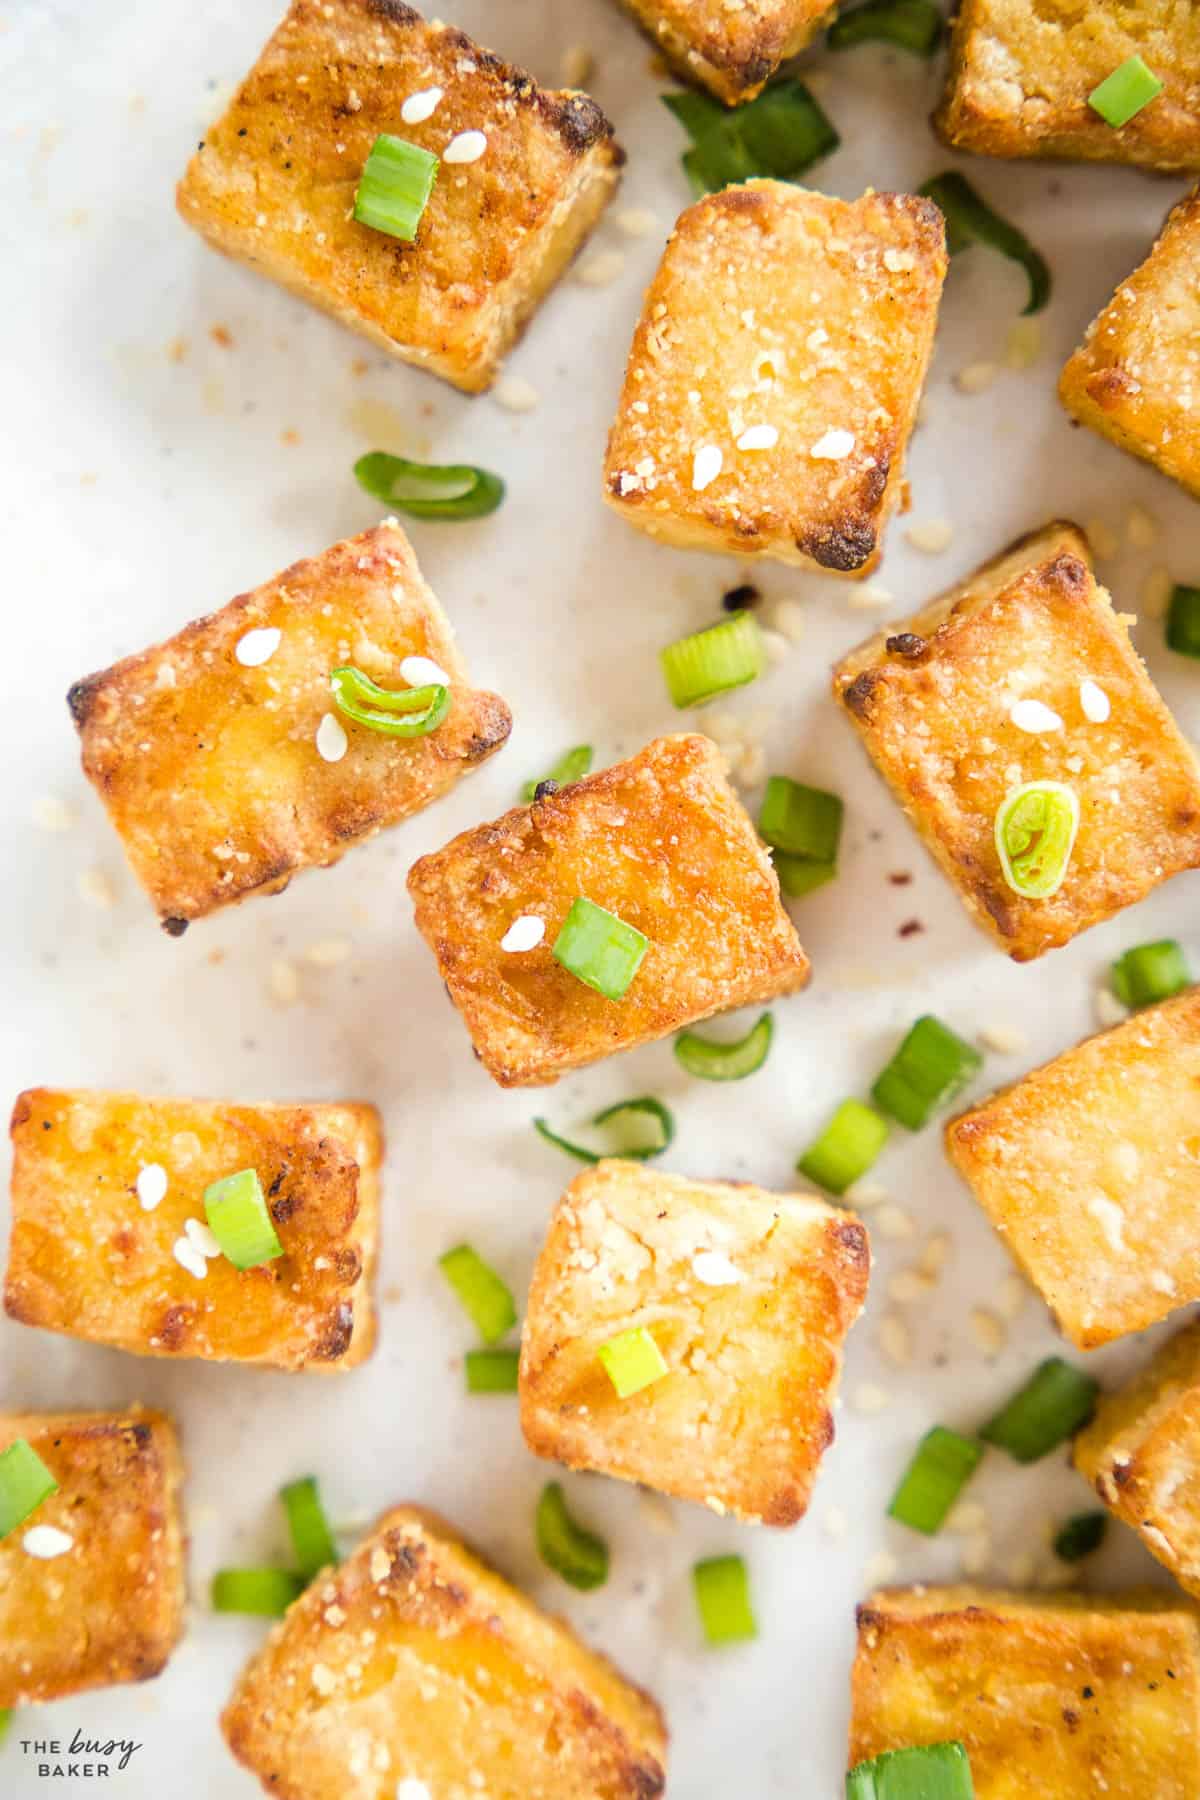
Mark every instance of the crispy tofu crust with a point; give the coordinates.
(1141, 1453)
(87, 1259)
(661, 841)
(110, 1609)
(210, 771)
(1134, 378)
(273, 182)
(733, 51)
(1021, 72)
(1087, 1167)
(743, 1418)
(1061, 1696)
(774, 305)
(931, 697)
(415, 1661)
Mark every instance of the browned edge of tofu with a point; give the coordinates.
(733, 55)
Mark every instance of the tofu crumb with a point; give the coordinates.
(932, 1259)
(787, 618)
(1024, 344)
(990, 1333)
(863, 1195)
(515, 394)
(465, 147)
(657, 1512)
(967, 1518)
(326, 953)
(976, 1554)
(892, 1221)
(1108, 1008)
(1141, 528)
(835, 1524)
(636, 222)
(1013, 1292)
(600, 269)
(380, 1566)
(867, 595)
(895, 1339)
(1004, 1040)
(1102, 538)
(714, 1269)
(283, 983)
(323, 1678)
(880, 1569)
(97, 888)
(976, 377)
(1154, 595)
(52, 814)
(908, 1286)
(869, 1397)
(931, 535)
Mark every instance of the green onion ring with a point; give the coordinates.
(970, 220)
(726, 1062)
(394, 712)
(429, 490)
(643, 1104)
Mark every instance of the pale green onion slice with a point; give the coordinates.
(394, 188)
(641, 1118)
(846, 1148)
(571, 766)
(577, 1555)
(25, 1482)
(409, 712)
(1036, 826)
(491, 1371)
(429, 490)
(926, 1772)
(725, 1062)
(312, 1539)
(632, 1361)
(266, 1592)
(239, 1220)
(722, 1588)
(1123, 94)
(711, 662)
(484, 1296)
(599, 948)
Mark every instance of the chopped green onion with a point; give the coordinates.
(429, 490)
(577, 1555)
(632, 1112)
(484, 1297)
(632, 1361)
(6, 1718)
(1055, 1402)
(846, 1148)
(782, 134)
(1035, 835)
(312, 1540)
(569, 767)
(266, 1592)
(239, 1220)
(726, 1062)
(713, 661)
(943, 1464)
(914, 25)
(395, 712)
(803, 821)
(970, 220)
(722, 1588)
(926, 1772)
(930, 1067)
(394, 188)
(696, 112)
(798, 875)
(25, 1482)
(1079, 1535)
(1150, 972)
(1183, 620)
(492, 1371)
(599, 949)
(1123, 94)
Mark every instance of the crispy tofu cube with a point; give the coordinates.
(415, 1661)
(223, 762)
(100, 1251)
(732, 50)
(748, 1296)
(1134, 377)
(1061, 1696)
(1002, 681)
(274, 181)
(1088, 1168)
(106, 1606)
(1021, 72)
(775, 374)
(1141, 1453)
(662, 842)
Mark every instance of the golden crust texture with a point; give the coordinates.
(1141, 1453)
(661, 841)
(110, 1608)
(932, 697)
(1134, 378)
(748, 1295)
(210, 770)
(1060, 1697)
(1021, 72)
(88, 1259)
(733, 51)
(414, 1661)
(274, 181)
(776, 307)
(1088, 1168)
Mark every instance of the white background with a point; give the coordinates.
(142, 491)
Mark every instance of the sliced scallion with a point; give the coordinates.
(6, 1718)
(1150, 972)
(780, 134)
(632, 1361)
(722, 1588)
(491, 1371)
(943, 1464)
(643, 1117)
(1183, 620)
(799, 875)
(238, 1218)
(25, 1482)
(600, 949)
(725, 1062)
(846, 1148)
(571, 766)
(577, 1555)
(411, 712)
(1080, 1535)
(803, 821)
(394, 188)
(265, 1592)
(925, 1772)
(914, 25)
(713, 661)
(429, 490)
(484, 1297)
(1123, 94)
(970, 220)
(932, 1065)
(696, 112)
(1035, 832)
(312, 1540)
(1055, 1403)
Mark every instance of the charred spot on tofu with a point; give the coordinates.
(732, 50)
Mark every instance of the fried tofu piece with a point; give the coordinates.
(1134, 378)
(1141, 1453)
(414, 1665)
(748, 1296)
(225, 776)
(107, 1606)
(1021, 72)
(662, 842)
(733, 51)
(775, 374)
(273, 182)
(1088, 1169)
(1060, 1696)
(943, 704)
(97, 1254)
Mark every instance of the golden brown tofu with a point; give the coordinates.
(415, 1665)
(220, 756)
(1021, 72)
(273, 183)
(1141, 1453)
(1089, 1168)
(1063, 1697)
(775, 374)
(748, 1296)
(108, 1199)
(1024, 673)
(96, 1594)
(662, 842)
(733, 50)
(1134, 378)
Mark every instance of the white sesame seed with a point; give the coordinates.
(380, 1565)
(515, 394)
(907, 1286)
(869, 1397)
(976, 377)
(899, 261)
(1103, 539)
(866, 1194)
(879, 1569)
(966, 1517)
(53, 814)
(256, 647)
(930, 535)
(189, 1258)
(706, 466)
(787, 617)
(283, 983)
(151, 1185)
(714, 1269)
(202, 1236)
(1094, 701)
(1011, 1295)
(525, 933)
(835, 1524)
(1141, 528)
(599, 270)
(422, 671)
(327, 953)
(96, 887)
(775, 644)
(331, 740)
(465, 147)
(1034, 716)
(833, 446)
(412, 1789)
(932, 1259)
(1111, 1220)
(46, 1542)
(895, 1339)
(636, 222)
(1154, 596)
(892, 1221)
(421, 106)
(1024, 344)
(1005, 1040)
(989, 1332)
(758, 437)
(867, 595)
(1108, 1008)
(323, 1679)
